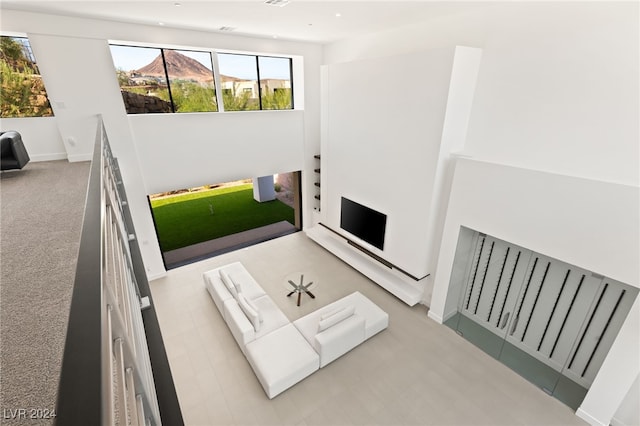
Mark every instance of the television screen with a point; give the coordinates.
(365, 223)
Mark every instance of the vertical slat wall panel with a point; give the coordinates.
(605, 319)
(562, 315)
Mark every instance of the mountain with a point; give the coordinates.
(178, 66)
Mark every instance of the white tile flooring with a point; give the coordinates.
(416, 372)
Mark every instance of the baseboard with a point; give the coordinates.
(437, 318)
(80, 157)
(589, 418)
(48, 157)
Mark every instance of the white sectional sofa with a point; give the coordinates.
(282, 353)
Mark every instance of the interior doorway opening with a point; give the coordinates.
(201, 222)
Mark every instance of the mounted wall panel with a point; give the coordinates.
(389, 151)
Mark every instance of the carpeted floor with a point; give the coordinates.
(41, 209)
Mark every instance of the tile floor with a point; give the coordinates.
(416, 372)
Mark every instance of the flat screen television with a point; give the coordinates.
(363, 222)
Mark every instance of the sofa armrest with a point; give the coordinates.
(238, 323)
(339, 339)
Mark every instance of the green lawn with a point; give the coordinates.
(186, 219)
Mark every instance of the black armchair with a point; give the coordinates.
(13, 154)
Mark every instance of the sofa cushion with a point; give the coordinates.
(237, 282)
(249, 311)
(226, 279)
(376, 319)
(254, 306)
(250, 288)
(239, 276)
(335, 317)
(272, 316)
(331, 312)
(281, 359)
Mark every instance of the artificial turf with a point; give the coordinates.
(187, 219)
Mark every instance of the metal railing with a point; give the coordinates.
(113, 337)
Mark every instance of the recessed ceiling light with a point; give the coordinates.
(280, 3)
(275, 36)
(160, 23)
(338, 15)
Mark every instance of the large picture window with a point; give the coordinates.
(154, 80)
(22, 88)
(158, 80)
(239, 76)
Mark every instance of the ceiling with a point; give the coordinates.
(300, 20)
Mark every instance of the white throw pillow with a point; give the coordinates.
(251, 313)
(334, 319)
(226, 279)
(332, 312)
(255, 308)
(236, 283)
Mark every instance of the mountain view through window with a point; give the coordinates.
(155, 80)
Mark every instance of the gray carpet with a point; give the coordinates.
(41, 209)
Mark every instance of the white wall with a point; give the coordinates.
(40, 136)
(558, 87)
(555, 116)
(386, 158)
(564, 99)
(78, 73)
(387, 144)
(587, 223)
(75, 61)
(591, 224)
(184, 151)
(628, 413)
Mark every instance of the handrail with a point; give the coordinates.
(80, 390)
(114, 368)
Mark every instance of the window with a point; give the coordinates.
(158, 80)
(23, 92)
(154, 80)
(191, 80)
(239, 75)
(275, 82)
